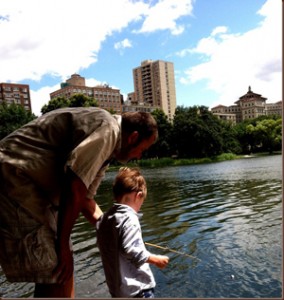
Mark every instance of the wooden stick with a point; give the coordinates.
(171, 250)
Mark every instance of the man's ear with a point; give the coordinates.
(133, 137)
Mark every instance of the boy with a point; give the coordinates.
(124, 256)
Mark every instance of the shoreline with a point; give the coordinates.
(173, 162)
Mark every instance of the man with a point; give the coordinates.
(50, 170)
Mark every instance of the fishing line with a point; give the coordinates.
(171, 250)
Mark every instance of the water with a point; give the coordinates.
(227, 215)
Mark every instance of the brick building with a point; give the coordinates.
(16, 93)
(108, 98)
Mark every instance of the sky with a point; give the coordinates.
(219, 47)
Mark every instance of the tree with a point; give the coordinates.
(55, 103)
(81, 100)
(267, 133)
(245, 138)
(12, 117)
(231, 143)
(76, 100)
(197, 132)
(164, 146)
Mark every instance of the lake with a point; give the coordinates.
(227, 216)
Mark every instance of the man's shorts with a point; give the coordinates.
(27, 246)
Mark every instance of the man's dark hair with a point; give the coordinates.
(142, 122)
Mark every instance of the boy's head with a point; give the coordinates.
(127, 181)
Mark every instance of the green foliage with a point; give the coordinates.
(226, 156)
(267, 134)
(77, 100)
(168, 161)
(163, 146)
(55, 103)
(197, 132)
(80, 100)
(12, 117)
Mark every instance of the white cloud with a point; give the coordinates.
(57, 37)
(120, 46)
(232, 62)
(219, 29)
(41, 97)
(62, 37)
(91, 82)
(164, 15)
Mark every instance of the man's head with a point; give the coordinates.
(130, 187)
(139, 132)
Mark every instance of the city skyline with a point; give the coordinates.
(218, 47)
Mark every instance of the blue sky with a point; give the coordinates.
(218, 47)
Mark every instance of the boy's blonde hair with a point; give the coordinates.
(128, 180)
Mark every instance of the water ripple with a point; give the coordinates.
(227, 216)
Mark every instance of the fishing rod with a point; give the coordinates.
(171, 250)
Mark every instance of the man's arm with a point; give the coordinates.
(91, 211)
(73, 201)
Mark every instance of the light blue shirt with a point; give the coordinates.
(123, 252)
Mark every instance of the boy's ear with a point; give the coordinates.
(140, 195)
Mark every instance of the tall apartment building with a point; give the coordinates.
(16, 93)
(108, 98)
(249, 106)
(154, 85)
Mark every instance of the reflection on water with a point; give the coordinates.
(228, 215)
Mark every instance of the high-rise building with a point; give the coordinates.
(154, 85)
(108, 98)
(16, 93)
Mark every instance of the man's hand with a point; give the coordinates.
(65, 267)
(91, 211)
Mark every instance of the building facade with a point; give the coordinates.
(16, 93)
(108, 98)
(128, 106)
(274, 108)
(249, 106)
(154, 85)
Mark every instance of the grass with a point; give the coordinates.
(168, 161)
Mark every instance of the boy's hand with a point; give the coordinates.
(160, 261)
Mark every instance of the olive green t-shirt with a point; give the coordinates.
(82, 139)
